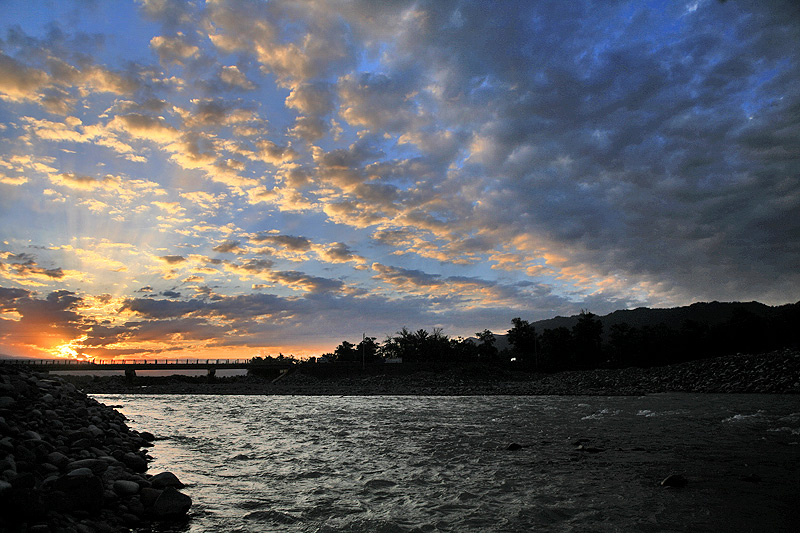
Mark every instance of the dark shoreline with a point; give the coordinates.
(70, 463)
(775, 372)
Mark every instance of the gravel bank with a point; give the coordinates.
(70, 464)
(775, 373)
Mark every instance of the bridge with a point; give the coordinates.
(130, 366)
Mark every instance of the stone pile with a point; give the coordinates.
(69, 463)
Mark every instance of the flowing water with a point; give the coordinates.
(397, 464)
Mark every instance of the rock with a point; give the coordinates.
(6, 402)
(31, 435)
(166, 479)
(675, 481)
(97, 466)
(81, 492)
(149, 496)
(514, 447)
(58, 459)
(751, 478)
(81, 472)
(135, 462)
(171, 504)
(125, 488)
(146, 435)
(25, 480)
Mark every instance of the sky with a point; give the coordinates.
(238, 178)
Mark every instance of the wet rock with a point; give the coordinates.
(166, 479)
(171, 504)
(136, 462)
(674, 481)
(514, 446)
(149, 496)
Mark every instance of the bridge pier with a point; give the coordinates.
(130, 374)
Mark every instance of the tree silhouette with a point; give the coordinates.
(588, 337)
(523, 338)
(486, 349)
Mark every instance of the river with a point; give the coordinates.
(411, 463)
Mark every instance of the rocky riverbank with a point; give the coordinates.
(775, 373)
(70, 464)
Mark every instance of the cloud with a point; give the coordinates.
(175, 49)
(399, 163)
(232, 76)
(227, 247)
(24, 269)
(84, 183)
(19, 82)
(145, 127)
(339, 252)
(290, 242)
(172, 259)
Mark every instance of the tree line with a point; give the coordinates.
(587, 344)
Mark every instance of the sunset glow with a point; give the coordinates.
(70, 349)
(238, 178)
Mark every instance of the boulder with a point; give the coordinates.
(514, 446)
(149, 496)
(135, 462)
(97, 466)
(171, 504)
(166, 479)
(125, 488)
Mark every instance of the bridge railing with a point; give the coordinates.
(102, 362)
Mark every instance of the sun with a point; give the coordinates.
(69, 350)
